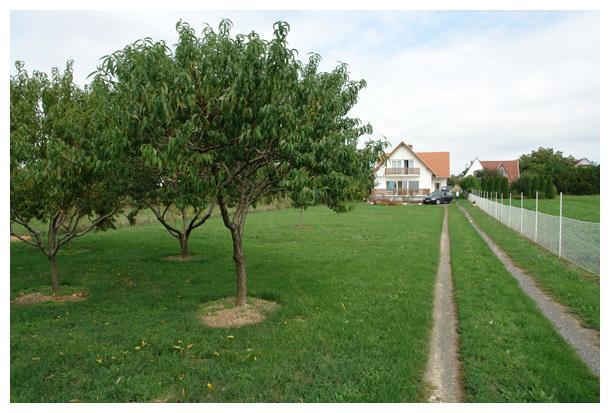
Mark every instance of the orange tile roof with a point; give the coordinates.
(511, 167)
(438, 162)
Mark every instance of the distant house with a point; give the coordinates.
(584, 162)
(509, 169)
(404, 172)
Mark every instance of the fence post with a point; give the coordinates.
(485, 194)
(521, 213)
(501, 205)
(536, 224)
(496, 205)
(560, 220)
(510, 208)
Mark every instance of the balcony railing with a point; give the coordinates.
(402, 171)
(399, 192)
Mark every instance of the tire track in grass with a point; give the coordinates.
(567, 284)
(584, 341)
(510, 352)
(443, 369)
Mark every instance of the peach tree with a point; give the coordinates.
(64, 182)
(278, 126)
(242, 119)
(159, 108)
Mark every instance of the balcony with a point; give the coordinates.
(402, 171)
(398, 194)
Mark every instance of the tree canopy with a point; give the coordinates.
(250, 119)
(219, 118)
(62, 169)
(159, 109)
(565, 175)
(288, 129)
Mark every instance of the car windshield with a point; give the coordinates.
(435, 193)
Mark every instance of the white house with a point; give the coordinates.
(406, 172)
(509, 169)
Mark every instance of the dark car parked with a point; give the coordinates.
(439, 197)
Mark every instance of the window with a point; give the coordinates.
(413, 186)
(390, 185)
(396, 163)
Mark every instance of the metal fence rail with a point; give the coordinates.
(576, 241)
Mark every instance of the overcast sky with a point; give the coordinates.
(488, 84)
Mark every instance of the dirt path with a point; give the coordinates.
(585, 341)
(443, 369)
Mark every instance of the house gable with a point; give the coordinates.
(502, 170)
(474, 166)
(584, 162)
(437, 163)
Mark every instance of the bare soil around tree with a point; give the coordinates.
(39, 297)
(224, 314)
(179, 258)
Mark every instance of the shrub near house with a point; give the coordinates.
(566, 175)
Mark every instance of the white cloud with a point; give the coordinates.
(490, 86)
(494, 94)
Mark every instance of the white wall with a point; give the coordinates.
(441, 183)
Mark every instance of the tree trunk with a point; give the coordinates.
(54, 275)
(184, 247)
(52, 251)
(236, 226)
(240, 266)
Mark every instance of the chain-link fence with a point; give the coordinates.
(576, 241)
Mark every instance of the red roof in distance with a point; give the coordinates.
(511, 167)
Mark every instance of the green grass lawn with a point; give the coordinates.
(572, 286)
(355, 292)
(509, 350)
(581, 207)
